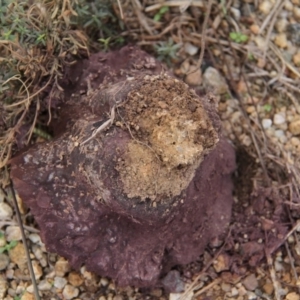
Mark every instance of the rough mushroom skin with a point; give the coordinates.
(148, 191)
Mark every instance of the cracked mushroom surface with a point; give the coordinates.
(138, 176)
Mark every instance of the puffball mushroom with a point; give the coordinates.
(138, 176)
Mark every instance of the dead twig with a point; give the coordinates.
(121, 10)
(208, 287)
(175, 3)
(36, 292)
(12, 223)
(273, 276)
(102, 127)
(194, 283)
(204, 26)
(274, 14)
(291, 259)
(270, 15)
(142, 18)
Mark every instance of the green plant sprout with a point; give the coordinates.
(238, 37)
(19, 297)
(167, 50)
(161, 13)
(8, 246)
(41, 133)
(223, 5)
(37, 40)
(94, 16)
(105, 43)
(251, 56)
(267, 107)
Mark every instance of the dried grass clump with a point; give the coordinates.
(37, 41)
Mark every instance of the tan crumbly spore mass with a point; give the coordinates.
(171, 133)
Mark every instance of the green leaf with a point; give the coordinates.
(9, 246)
(163, 10)
(160, 13)
(233, 35)
(157, 17)
(250, 56)
(267, 107)
(238, 37)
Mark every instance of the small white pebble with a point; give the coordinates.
(2, 241)
(279, 119)
(38, 253)
(283, 291)
(292, 296)
(288, 5)
(4, 261)
(190, 49)
(5, 211)
(281, 40)
(59, 282)
(30, 289)
(226, 287)
(283, 139)
(20, 289)
(70, 292)
(278, 266)
(44, 285)
(175, 296)
(251, 296)
(234, 292)
(35, 238)
(266, 123)
(265, 7)
(242, 290)
(13, 233)
(291, 239)
(246, 140)
(281, 25)
(9, 273)
(279, 133)
(236, 13)
(104, 281)
(296, 12)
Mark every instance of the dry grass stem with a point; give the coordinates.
(208, 287)
(270, 15)
(273, 277)
(175, 3)
(273, 17)
(32, 275)
(194, 284)
(121, 9)
(12, 223)
(102, 127)
(203, 38)
(291, 259)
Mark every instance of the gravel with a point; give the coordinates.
(4, 261)
(267, 123)
(250, 282)
(13, 233)
(6, 211)
(213, 80)
(279, 119)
